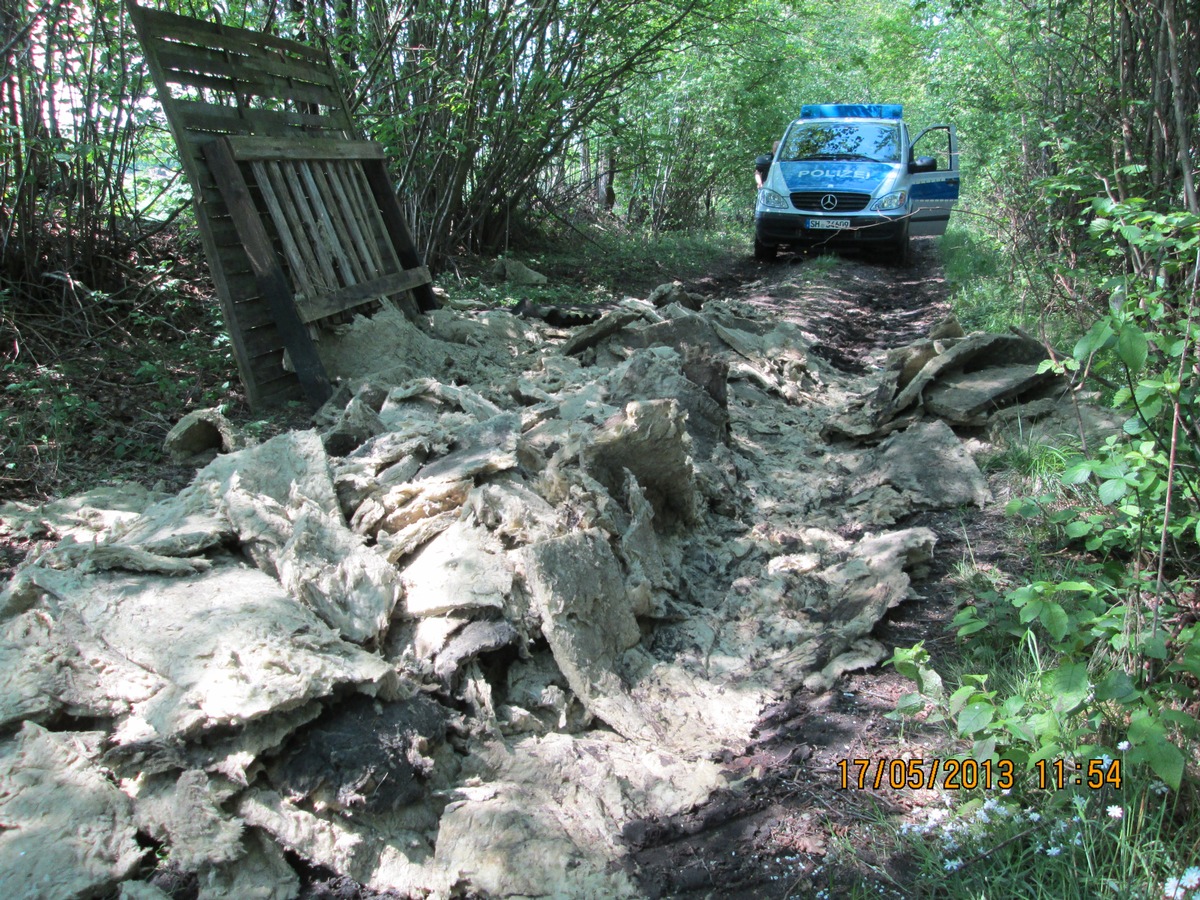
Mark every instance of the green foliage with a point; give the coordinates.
(1114, 646)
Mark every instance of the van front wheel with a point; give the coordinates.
(898, 254)
(764, 252)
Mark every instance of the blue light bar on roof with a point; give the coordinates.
(851, 111)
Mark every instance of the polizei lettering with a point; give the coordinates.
(843, 172)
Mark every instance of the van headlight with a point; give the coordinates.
(894, 200)
(772, 199)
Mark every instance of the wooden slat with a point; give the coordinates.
(263, 87)
(202, 60)
(262, 340)
(349, 238)
(359, 227)
(353, 295)
(258, 147)
(254, 314)
(280, 392)
(158, 23)
(271, 281)
(318, 246)
(305, 281)
(193, 115)
(362, 195)
(343, 252)
(397, 228)
(271, 377)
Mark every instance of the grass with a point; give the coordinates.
(1032, 463)
(1065, 845)
(597, 264)
(991, 290)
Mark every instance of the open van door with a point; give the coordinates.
(934, 188)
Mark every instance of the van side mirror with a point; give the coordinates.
(923, 164)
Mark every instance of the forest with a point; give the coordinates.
(513, 127)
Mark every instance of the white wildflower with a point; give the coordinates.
(1053, 851)
(1124, 746)
(1190, 878)
(1115, 812)
(953, 865)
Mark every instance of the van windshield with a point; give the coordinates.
(842, 140)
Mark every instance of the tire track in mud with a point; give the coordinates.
(772, 836)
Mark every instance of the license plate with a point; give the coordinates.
(831, 224)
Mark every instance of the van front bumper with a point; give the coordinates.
(772, 228)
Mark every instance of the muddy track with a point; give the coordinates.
(773, 835)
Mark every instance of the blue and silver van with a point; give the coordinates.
(847, 175)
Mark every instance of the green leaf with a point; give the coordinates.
(1072, 586)
(1117, 686)
(1069, 686)
(1131, 233)
(1111, 491)
(975, 716)
(1031, 611)
(1165, 759)
(1095, 339)
(1055, 618)
(984, 750)
(1078, 473)
(1046, 751)
(1023, 507)
(1155, 647)
(1132, 347)
(972, 627)
(959, 699)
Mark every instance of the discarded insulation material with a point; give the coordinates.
(509, 596)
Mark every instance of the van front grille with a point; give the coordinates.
(845, 201)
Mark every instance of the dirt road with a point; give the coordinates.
(790, 829)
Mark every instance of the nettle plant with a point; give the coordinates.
(1113, 641)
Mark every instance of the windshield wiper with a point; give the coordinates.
(842, 156)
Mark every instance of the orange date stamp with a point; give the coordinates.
(969, 774)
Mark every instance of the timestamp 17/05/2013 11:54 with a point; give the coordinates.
(969, 774)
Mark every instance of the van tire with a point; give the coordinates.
(764, 252)
(898, 254)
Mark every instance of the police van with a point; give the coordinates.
(847, 175)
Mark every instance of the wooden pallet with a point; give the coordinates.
(298, 216)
